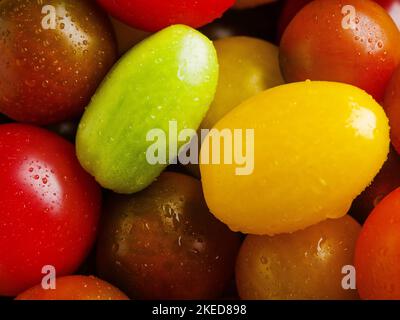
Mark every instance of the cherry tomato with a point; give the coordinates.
(385, 182)
(154, 15)
(306, 264)
(75, 288)
(291, 7)
(377, 255)
(54, 55)
(163, 243)
(352, 41)
(49, 207)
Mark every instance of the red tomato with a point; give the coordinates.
(350, 41)
(291, 7)
(54, 54)
(377, 256)
(154, 15)
(49, 207)
(75, 288)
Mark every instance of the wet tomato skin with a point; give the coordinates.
(387, 180)
(163, 243)
(49, 207)
(75, 288)
(377, 254)
(54, 55)
(154, 15)
(316, 46)
(291, 7)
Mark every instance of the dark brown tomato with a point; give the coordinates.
(54, 55)
(387, 180)
(163, 243)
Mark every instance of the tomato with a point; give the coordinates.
(154, 15)
(163, 243)
(54, 55)
(291, 7)
(302, 179)
(49, 207)
(75, 288)
(160, 84)
(247, 66)
(391, 104)
(325, 42)
(306, 264)
(377, 256)
(385, 182)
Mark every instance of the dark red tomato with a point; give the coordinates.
(291, 7)
(75, 288)
(49, 207)
(154, 15)
(377, 255)
(391, 105)
(53, 56)
(163, 243)
(385, 182)
(350, 41)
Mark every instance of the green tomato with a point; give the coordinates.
(170, 76)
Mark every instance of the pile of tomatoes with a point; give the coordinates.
(312, 213)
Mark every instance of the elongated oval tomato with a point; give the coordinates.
(154, 15)
(49, 207)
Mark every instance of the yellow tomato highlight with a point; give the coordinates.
(317, 145)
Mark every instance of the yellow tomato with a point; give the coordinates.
(248, 66)
(307, 264)
(317, 145)
(243, 4)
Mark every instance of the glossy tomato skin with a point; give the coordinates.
(364, 53)
(377, 255)
(291, 7)
(154, 15)
(387, 180)
(163, 243)
(54, 55)
(49, 207)
(306, 264)
(75, 288)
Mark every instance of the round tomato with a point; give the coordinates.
(54, 54)
(306, 264)
(163, 243)
(49, 207)
(291, 7)
(354, 42)
(377, 255)
(75, 288)
(154, 15)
